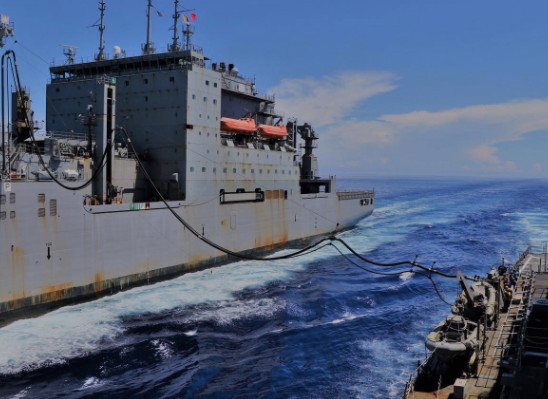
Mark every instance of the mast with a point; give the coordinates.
(188, 31)
(148, 48)
(175, 46)
(101, 56)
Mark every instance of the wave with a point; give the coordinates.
(75, 331)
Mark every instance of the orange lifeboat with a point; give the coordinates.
(273, 132)
(244, 125)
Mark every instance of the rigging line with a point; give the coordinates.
(32, 52)
(366, 269)
(201, 236)
(313, 250)
(411, 263)
(188, 226)
(241, 175)
(27, 120)
(49, 102)
(438, 293)
(202, 203)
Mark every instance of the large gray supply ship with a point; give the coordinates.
(188, 119)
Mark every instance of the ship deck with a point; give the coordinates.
(498, 374)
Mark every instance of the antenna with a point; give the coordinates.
(188, 31)
(6, 29)
(69, 52)
(101, 56)
(175, 46)
(148, 47)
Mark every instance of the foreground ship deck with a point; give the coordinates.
(514, 359)
(249, 192)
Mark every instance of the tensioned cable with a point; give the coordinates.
(201, 236)
(186, 224)
(41, 159)
(394, 264)
(366, 269)
(251, 257)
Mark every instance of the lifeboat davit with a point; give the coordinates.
(273, 132)
(244, 125)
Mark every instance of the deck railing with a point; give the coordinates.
(349, 195)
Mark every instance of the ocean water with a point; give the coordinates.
(312, 327)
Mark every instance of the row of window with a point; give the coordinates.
(205, 99)
(234, 170)
(171, 79)
(247, 154)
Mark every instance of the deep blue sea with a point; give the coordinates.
(311, 327)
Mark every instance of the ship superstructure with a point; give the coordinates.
(213, 147)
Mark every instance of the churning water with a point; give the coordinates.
(314, 326)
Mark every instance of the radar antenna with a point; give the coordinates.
(6, 29)
(101, 55)
(69, 52)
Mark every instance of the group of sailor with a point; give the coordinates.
(507, 283)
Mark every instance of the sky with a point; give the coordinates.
(393, 88)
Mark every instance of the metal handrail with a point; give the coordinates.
(348, 195)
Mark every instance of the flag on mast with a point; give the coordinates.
(159, 13)
(193, 16)
(185, 19)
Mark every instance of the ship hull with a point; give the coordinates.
(75, 252)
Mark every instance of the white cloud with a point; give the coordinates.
(329, 99)
(464, 138)
(485, 154)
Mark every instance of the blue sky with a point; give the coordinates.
(393, 87)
